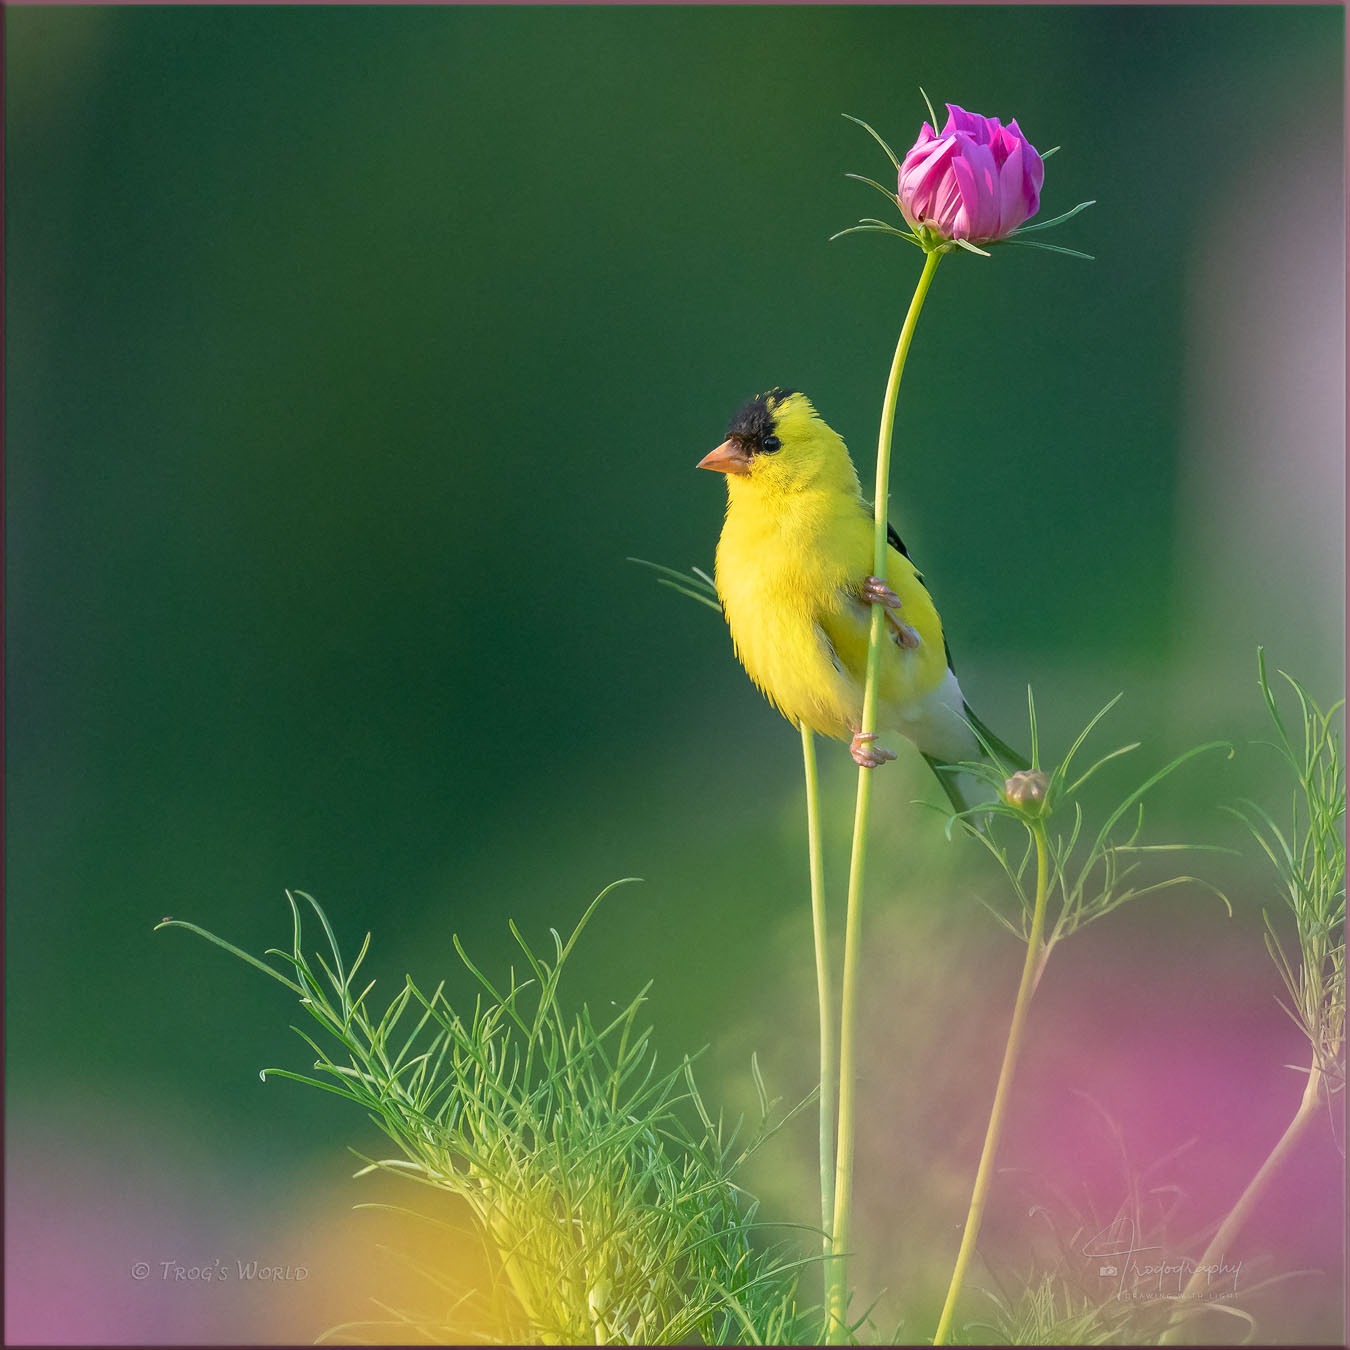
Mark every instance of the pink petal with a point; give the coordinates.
(977, 178)
(1034, 180)
(1003, 145)
(922, 170)
(944, 205)
(1012, 205)
(979, 129)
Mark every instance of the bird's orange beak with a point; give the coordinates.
(729, 457)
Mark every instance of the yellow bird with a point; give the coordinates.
(794, 574)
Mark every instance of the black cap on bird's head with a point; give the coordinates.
(750, 433)
(754, 419)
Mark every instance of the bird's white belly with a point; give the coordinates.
(935, 723)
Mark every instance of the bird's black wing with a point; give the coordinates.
(898, 544)
(1000, 747)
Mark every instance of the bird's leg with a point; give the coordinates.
(865, 754)
(875, 590)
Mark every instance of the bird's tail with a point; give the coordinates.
(946, 776)
(988, 741)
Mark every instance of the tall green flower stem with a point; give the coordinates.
(1222, 1243)
(826, 999)
(848, 1010)
(984, 1175)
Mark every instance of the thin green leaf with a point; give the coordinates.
(856, 229)
(890, 154)
(1269, 697)
(232, 949)
(760, 1090)
(878, 228)
(1051, 248)
(696, 578)
(931, 114)
(1031, 721)
(1053, 221)
(691, 594)
(872, 183)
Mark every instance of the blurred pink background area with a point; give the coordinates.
(1158, 1073)
(112, 1224)
(121, 1233)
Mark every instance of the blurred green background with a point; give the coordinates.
(352, 351)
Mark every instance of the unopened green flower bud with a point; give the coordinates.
(1026, 791)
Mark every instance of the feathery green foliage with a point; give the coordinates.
(602, 1189)
(1089, 875)
(1050, 1313)
(1309, 859)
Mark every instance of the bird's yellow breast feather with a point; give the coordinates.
(790, 567)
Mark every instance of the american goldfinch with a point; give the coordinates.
(794, 574)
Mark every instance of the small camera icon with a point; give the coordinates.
(1107, 1270)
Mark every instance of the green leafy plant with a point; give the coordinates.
(1309, 862)
(602, 1189)
(1086, 877)
(1086, 874)
(1049, 1312)
(1308, 857)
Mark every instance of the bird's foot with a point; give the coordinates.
(902, 634)
(876, 591)
(865, 754)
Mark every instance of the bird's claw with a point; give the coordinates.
(865, 754)
(876, 591)
(903, 635)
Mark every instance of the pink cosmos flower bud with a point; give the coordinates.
(977, 180)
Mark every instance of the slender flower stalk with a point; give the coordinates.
(825, 996)
(848, 1012)
(1031, 970)
(1222, 1243)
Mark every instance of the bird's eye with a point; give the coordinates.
(770, 444)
